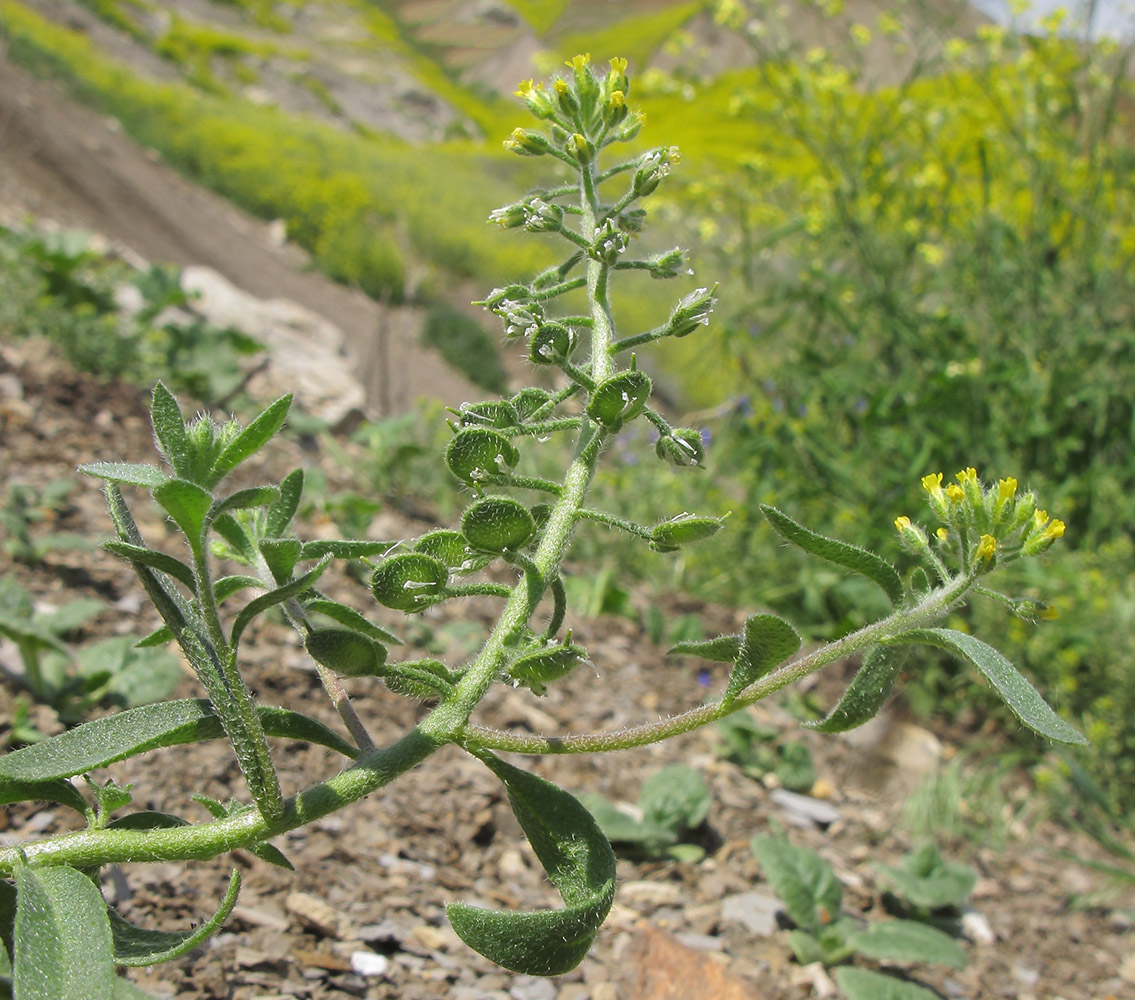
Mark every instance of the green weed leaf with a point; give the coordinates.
(345, 652)
(250, 440)
(280, 514)
(908, 941)
(188, 504)
(135, 946)
(281, 555)
(578, 860)
(722, 648)
(348, 616)
(803, 880)
(866, 693)
(49, 790)
(169, 429)
(254, 496)
(1018, 693)
(62, 939)
(160, 561)
(258, 605)
(675, 798)
(344, 548)
(841, 553)
(127, 473)
(766, 643)
(926, 880)
(863, 984)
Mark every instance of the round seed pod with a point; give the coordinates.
(545, 665)
(345, 652)
(409, 581)
(496, 524)
(552, 344)
(619, 399)
(682, 448)
(528, 401)
(475, 453)
(451, 548)
(498, 413)
(680, 530)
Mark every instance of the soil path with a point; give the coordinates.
(66, 163)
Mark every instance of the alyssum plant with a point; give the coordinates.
(63, 941)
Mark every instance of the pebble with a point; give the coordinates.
(319, 915)
(756, 911)
(367, 963)
(650, 895)
(1026, 975)
(575, 991)
(605, 991)
(977, 928)
(532, 988)
(805, 811)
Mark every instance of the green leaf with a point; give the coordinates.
(48, 790)
(226, 586)
(62, 940)
(281, 555)
(271, 855)
(135, 946)
(578, 860)
(863, 984)
(723, 648)
(1024, 700)
(159, 637)
(344, 548)
(188, 504)
(866, 693)
(235, 536)
(348, 616)
(841, 553)
(250, 440)
(280, 514)
(169, 429)
(621, 827)
(908, 941)
(254, 496)
(676, 798)
(924, 879)
(136, 676)
(155, 560)
(260, 604)
(767, 642)
(126, 990)
(422, 679)
(126, 734)
(803, 880)
(126, 473)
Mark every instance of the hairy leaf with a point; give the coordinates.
(188, 504)
(723, 648)
(136, 946)
(169, 429)
(254, 496)
(344, 548)
(62, 940)
(280, 514)
(908, 941)
(1018, 693)
(260, 604)
(767, 642)
(578, 860)
(806, 884)
(841, 553)
(348, 616)
(281, 555)
(250, 440)
(155, 560)
(867, 691)
(48, 790)
(864, 984)
(126, 473)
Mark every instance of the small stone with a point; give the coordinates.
(701, 942)
(1025, 975)
(318, 915)
(574, 991)
(823, 789)
(606, 991)
(650, 895)
(754, 910)
(532, 988)
(367, 963)
(803, 810)
(261, 915)
(977, 928)
(814, 975)
(433, 938)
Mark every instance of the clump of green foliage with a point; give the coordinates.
(759, 751)
(24, 506)
(65, 940)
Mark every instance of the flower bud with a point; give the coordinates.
(586, 86)
(610, 244)
(913, 538)
(617, 77)
(615, 110)
(509, 216)
(409, 581)
(932, 483)
(539, 102)
(668, 264)
(497, 524)
(542, 217)
(526, 142)
(683, 529)
(652, 168)
(568, 102)
(580, 148)
(986, 549)
(630, 127)
(691, 312)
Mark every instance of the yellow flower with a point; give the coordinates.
(955, 492)
(526, 87)
(1055, 530)
(577, 63)
(942, 534)
(619, 64)
(987, 547)
(967, 475)
(933, 484)
(902, 524)
(1006, 490)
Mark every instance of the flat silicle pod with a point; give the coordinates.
(476, 453)
(345, 652)
(619, 399)
(409, 581)
(497, 524)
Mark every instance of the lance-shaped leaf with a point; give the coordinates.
(864, 984)
(280, 514)
(188, 504)
(235, 536)
(348, 616)
(281, 555)
(805, 882)
(135, 946)
(254, 496)
(841, 553)
(127, 734)
(767, 642)
(260, 604)
(908, 941)
(344, 548)
(59, 791)
(226, 586)
(421, 679)
(62, 940)
(250, 440)
(722, 648)
(126, 473)
(578, 860)
(169, 429)
(1018, 693)
(867, 691)
(155, 560)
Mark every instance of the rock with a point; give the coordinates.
(261, 915)
(532, 988)
(817, 978)
(977, 928)
(754, 910)
(1127, 969)
(659, 967)
(368, 963)
(644, 895)
(319, 915)
(805, 811)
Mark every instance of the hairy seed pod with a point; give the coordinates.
(476, 453)
(409, 581)
(619, 399)
(345, 652)
(683, 447)
(552, 344)
(681, 530)
(497, 524)
(550, 664)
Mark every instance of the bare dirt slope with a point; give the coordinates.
(65, 163)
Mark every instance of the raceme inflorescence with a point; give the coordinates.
(61, 937)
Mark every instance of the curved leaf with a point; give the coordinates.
(61, 940)
(188, 504)
(908, 941)
(866, 693)
(767, 642)
(250, 440)
(155, 560)
(49, 790)
(135, 946)
(127, 734)
(226, 586)
(126, 473)
(578, 860)
(1018, 693)
(723, 648)
(348, 616)
(344, 548)
(265, 601)
(841, 553)
(864, 984)
(254, 496)
(280, 514)
(281, 555)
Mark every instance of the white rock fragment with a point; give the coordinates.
(368, 963)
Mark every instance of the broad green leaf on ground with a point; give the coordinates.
(766, 643)
(867, 691)
(62, 941)
(1018, 693)
(136, 676)
(136, 946)
(863, 984)
(926, 880)
(908, 941)
(841, 553)
(676, 798)
(126, 734)
(805, 883)
(579, 862)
